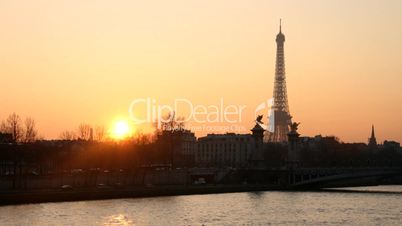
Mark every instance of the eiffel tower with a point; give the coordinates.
(279, 118)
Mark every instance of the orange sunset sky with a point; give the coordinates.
(67, 62)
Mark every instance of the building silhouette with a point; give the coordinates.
(180, 145)
(230, 149)
(279, 118)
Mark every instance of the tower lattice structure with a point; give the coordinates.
(279, 119)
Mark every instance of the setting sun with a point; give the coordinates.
(121, 129)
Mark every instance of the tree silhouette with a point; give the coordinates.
(172, 123)
(84, 131)
(67, 135)
(13, 125)
(100, 133)
(31, 133)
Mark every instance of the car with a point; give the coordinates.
(66, 187)
(200, 181)
(33, 172)
(102, 186)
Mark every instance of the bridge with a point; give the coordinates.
(302, 178)
(296, 176)
(315, 178)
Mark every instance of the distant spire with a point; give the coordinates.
(280, 25)
(372, 131)
(372, 142)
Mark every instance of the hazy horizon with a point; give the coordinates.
(68, 62)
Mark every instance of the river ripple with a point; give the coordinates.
(379, 206)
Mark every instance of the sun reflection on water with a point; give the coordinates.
(118, 219)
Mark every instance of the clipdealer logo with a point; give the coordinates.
(266, 107)
(148, 110)
(160, 113)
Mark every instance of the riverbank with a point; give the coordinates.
(58, 195)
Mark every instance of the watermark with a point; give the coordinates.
(148, 110)
(266, 106)
(217, 128)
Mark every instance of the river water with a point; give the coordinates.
(380, 205)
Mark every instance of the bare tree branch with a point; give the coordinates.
(84, 131)
(67, 135)
(100, 133)
(13, 125)
(31, 133)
